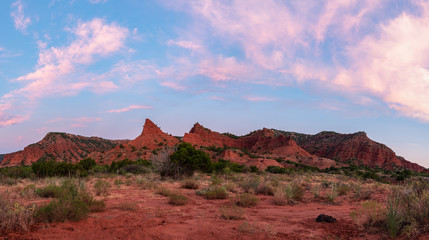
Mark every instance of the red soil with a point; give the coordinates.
(133, 213)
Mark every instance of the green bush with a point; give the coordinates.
(275, 170)
(50, 191)
(73, 204)
(190, 159)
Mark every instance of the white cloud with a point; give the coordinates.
(20, 20)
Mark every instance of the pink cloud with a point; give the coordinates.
(60, 70)
(20, 20)
(7, 120)
(87, 119)
(77, 125)
(184, 44)
(94, 38)
(392, 65)
(259, 99)
(129, 108)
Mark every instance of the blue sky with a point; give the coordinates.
(100, 67)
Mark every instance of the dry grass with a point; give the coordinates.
(101, 187)
(247, 200)
(231, 212)
(14, 216)
(190, 184)
(178, 199)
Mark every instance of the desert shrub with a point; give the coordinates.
(265, 188)
(15, 216)
(190, 159)
(343, 189)
(52, 168)
(8, 181)
(316, 191)
(127, 206)
(247, 200)
(115, 166)
(100, 169)
(177, 199)
(73, 204)
(332, 194)
(50, 191)
(224, 166)
(17, 172)
(288, 194)
(134, 169)
(101, 187)
(164, 191)
(230, 187)
(371, 215)
(29, 191)
(363, 194)
(294, 192)
(250, 184)
(214, 192)
(118, 182)
(276, 170)
(231, 212)
(63, 209)
(190, 184)
(215, 180)
(393, 216)
(280, 198)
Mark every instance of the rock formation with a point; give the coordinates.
(261, 148)
(151, 140)
(60, 147)
(354, 148)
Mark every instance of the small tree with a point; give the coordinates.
(190, 159)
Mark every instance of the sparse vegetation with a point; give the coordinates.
(190, 184)
(73, 204)
(214, 192)
(177, 199)
(101, 187)
(231, 212)
(247, 200)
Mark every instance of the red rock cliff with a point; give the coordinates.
(61, 147)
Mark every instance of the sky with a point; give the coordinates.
(101, 67)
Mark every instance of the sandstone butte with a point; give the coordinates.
(259, 148)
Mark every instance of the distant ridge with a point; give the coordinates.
(61, 147)
(261, 148)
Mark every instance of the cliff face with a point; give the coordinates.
(205, 137)
(59, 146)
(257, 148)
(151, 140)
(356, 148)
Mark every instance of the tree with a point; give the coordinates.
(190, 159)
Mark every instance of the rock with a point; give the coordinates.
(150, 141)
(325, 218)
(356, 147)
(60, 147)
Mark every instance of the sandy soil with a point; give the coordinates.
(133, 212)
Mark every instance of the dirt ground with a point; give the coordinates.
(135, 211)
